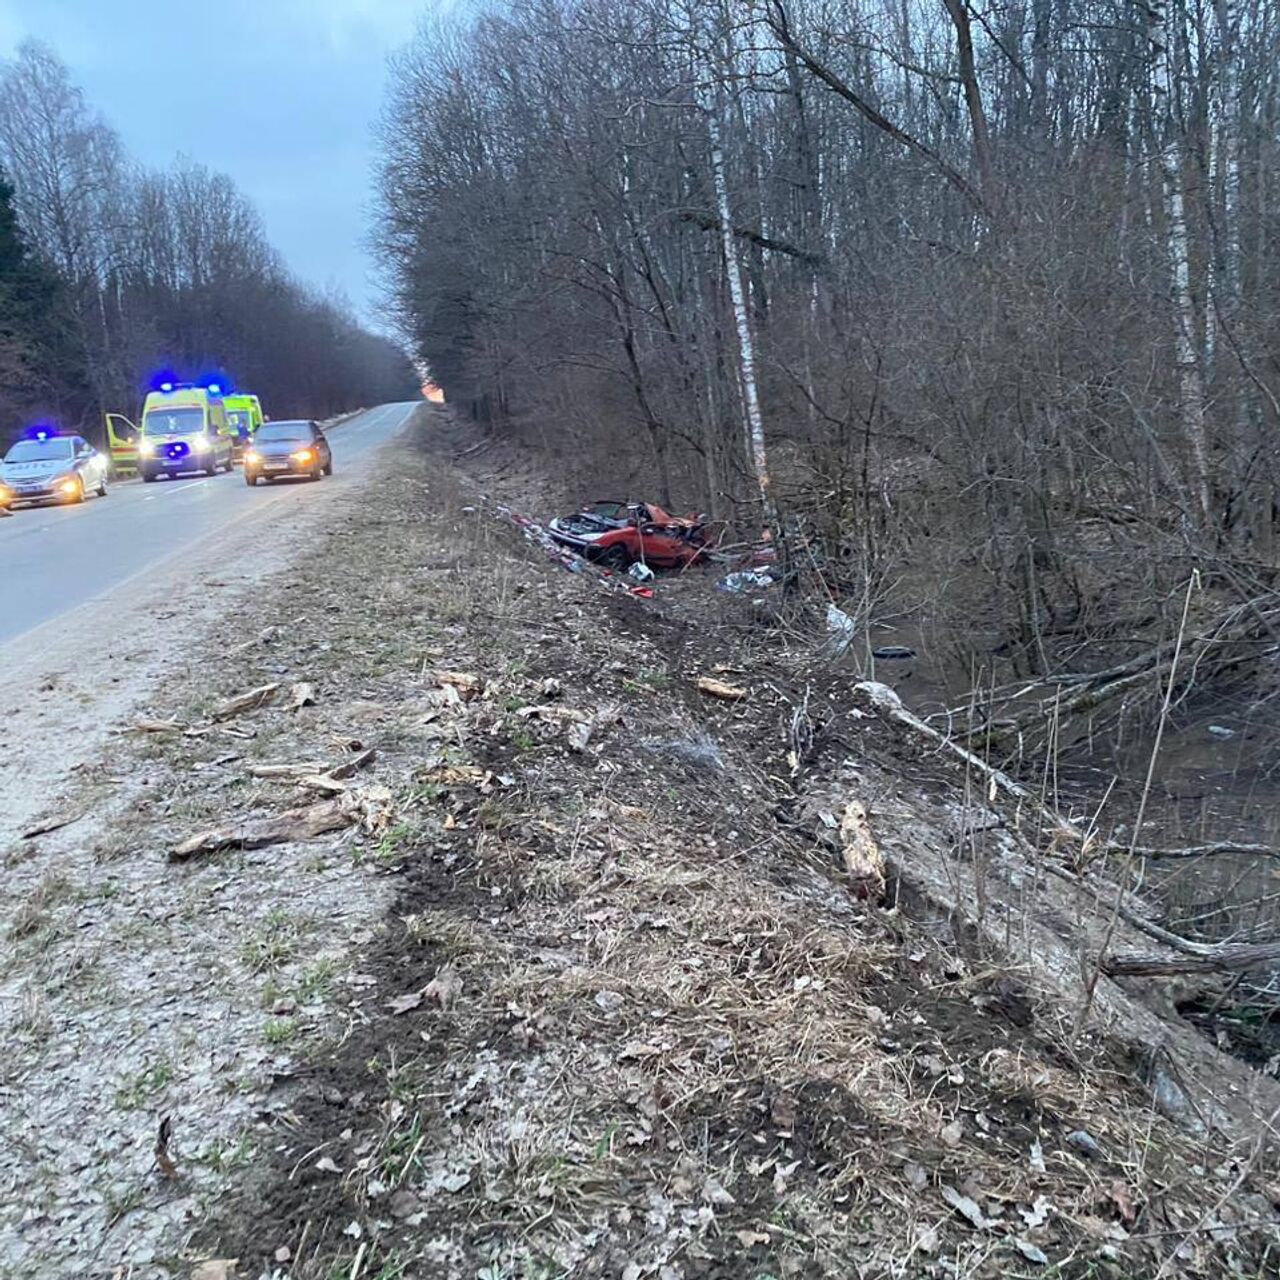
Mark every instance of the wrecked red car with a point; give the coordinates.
(617, 534)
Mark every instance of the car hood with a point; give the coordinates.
(41, 469)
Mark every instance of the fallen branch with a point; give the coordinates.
(1223, 959)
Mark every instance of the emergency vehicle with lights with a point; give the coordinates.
(47, 467)
(184, 428)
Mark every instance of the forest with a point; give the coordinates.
(109, 272)
(974, 305)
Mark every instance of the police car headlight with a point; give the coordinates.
(147, 449)
(200, 444)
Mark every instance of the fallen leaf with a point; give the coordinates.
(249, 701)
(353, 1229)
(455, 1181)
(927, 1238)
(916, 1176)
(402, 1004)
(1036, 1157)
(782, 1113)
(445, 987)
(578, 737)
(1038, 1214)
(714, 1193)
(608, 1001)
(283, 1253)
(718, 689)
(1123, 1201)
(1031, 1252)
(748, 1239)
(967, 1208)
(953, 1134)
(326, 1164)
(164, 1162)
(404, 1204)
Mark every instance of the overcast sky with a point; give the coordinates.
(280, 94)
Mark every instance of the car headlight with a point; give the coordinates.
(200, 444)
(69, 485)
(146, 449)
(303, 455)
(251, 455)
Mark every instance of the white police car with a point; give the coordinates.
(45, 467)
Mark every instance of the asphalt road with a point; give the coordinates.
(54, 559)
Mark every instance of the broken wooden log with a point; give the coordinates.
(1228, 958)
(862, 857)
(295, 824)
(248, 701)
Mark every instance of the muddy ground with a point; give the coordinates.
(579, 986)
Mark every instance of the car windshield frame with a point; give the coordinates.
(55, 449)
(192, 421)
(298, 432)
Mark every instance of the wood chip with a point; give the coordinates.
(300, 769)
(54, 822)
(467, 684)
(348, 768)
(243, 702)
(718, 689)
(862, 857)
(157, 726)
(302, 694)
(295, 824)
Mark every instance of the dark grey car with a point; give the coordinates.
(279, 450)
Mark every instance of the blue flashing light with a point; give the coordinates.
(215, 389)
(42, 433)
(166, 386)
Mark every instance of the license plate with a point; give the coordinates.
(276, 466)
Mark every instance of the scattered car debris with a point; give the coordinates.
(841, 630)
(744, 580)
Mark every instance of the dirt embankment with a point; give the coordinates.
(583, 991)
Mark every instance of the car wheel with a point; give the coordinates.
(317, 472)
(101, 490)
(251, 479)
(328, 467)
(148, 476)
(78, 496)
(615, 558)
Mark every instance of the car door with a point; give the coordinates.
(661, 547)
(322, 446)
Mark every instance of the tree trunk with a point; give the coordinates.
(754, 419)
(1191, 389)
